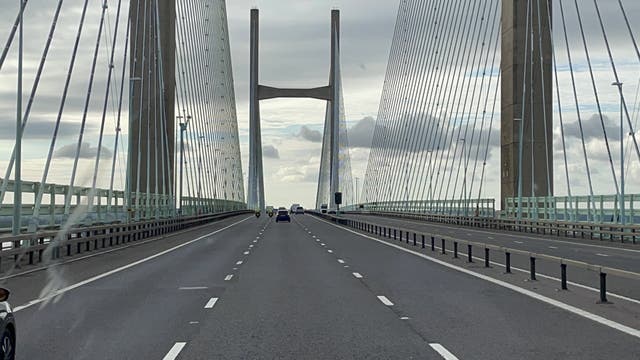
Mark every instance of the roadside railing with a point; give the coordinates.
(585, 230)
(448, 244)
(32, 248)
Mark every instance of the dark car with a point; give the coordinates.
(8, 328)
(283, 215)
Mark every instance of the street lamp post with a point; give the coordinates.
(622, 212)
(183, 128)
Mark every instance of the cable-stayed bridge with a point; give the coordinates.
(498, 205)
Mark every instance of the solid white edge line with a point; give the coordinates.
(570, 308)
(175, 351)
(357, 275)
(117, 270)
(385, 300)
(442, 351)
(211, 303)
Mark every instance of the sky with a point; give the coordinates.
(294, 52)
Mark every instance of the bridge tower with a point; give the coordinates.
(257, 92)
(145, 93)
(527, 112)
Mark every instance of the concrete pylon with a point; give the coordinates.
(526, 45)
(146, 92)
(257, 92)
(256, 176)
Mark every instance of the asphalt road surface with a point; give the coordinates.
(247, 288)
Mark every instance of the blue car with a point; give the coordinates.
(283, 215)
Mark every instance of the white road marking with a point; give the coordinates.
(239, 262)
(553, 247)
(443, 352)
(211, 303)
(58, 292)
(570, 308)
(605, 255)
(357, 275)
(404, 318)
(317, 240)
(250, 246)
(228, 277)
(468, 234)
(346, 266)
(518, 242)
(194, 322)
(175, 351)
(330, 251)
(341, 261)
(314, 236)
(192, 288)
(246, 253)
(491, 238)
(322, 244)
(384, 300)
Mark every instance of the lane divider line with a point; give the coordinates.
(117, 270)
(246, 253)
(228, 277)
(175, 351)
(384, 300)
(211, 303)
(330, 251)
(357, 275)
(341, 261)
(570, 308)
(239, 262)
(193, 288)
(443, 351)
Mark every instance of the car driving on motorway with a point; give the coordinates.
(283, 215)
(8, 327)
(299, 210)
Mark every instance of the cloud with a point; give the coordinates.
(86, 151)
(270, 151)
(361, 133)
(310, 134)
(592, 128)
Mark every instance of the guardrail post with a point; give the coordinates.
(400, 231)
(443, 249)
(603, 288)
(532, 267)
(423, 241)
(394, 234)
(507, 261)
(563, 276)
(433, 244)
(68, 249)
(455, 249)
(414, 239)
(486, 257)
(407, 238)
(469, 253)
(30, 257)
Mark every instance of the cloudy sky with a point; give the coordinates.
(294, 52)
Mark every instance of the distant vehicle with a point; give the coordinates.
(332, 212)
(283, 215)
(282, 208)
(299, 210)
(270, 211)
(257, 213)
(323, 208)
(294, 207)
(8, 327)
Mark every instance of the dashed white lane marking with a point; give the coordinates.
(322, 244)
(570, 308)
(330, 251)
(194, 322)
(211, 303)
(357, 275)
(59, 292)
(246, 253)
(553, 247)
(317, 240)
(314, 236)
(605, 255)
(192, 288)
(384, 300)
(518, 242)
(175, 351)
(443, 352)
(404, 318)
(491, 238)
(341, 261)
(239, 262)
(228, 277)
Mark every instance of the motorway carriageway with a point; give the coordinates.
(247, 288)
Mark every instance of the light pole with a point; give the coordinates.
(622, 214)
(183, 128)
(17, 191)
(520, 150)
(357, 195)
